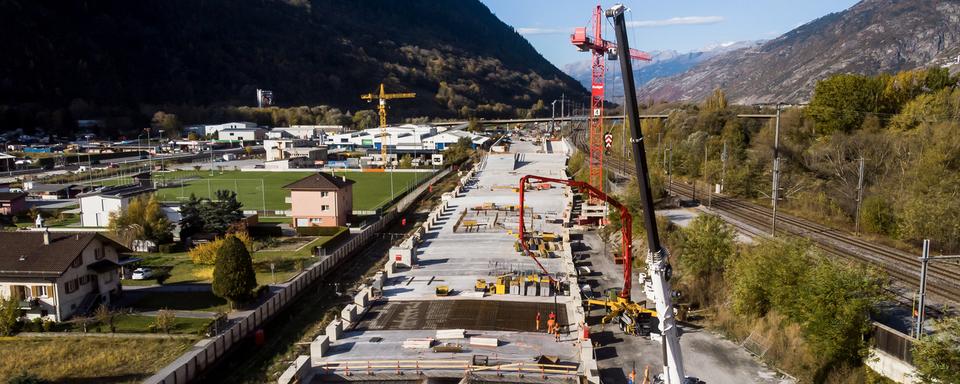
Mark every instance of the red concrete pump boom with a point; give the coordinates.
(626, 224)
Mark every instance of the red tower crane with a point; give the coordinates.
(598, 47)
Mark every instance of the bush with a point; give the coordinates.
(167, 248)
(265, 230)
(206, 253)
(318, 231)
(9, 316)
(26, 378)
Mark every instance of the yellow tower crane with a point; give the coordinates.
(382, 109)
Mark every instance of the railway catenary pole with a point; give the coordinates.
(925, 259)
(775, 190)
(856, 220)
(657, 259)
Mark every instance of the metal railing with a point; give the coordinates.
(892, 342)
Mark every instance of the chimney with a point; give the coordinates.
(46, 236)
(344, 178)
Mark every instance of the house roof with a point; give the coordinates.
(320, 181)
(24, 254)
(119, 191)
(10, 196)
(49, 187)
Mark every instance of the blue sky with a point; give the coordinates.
(682, 25)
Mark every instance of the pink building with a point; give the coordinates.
(321, 200)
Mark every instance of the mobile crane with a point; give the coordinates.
(629, 315)
(658, 265)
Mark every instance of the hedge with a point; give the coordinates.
(319, 231)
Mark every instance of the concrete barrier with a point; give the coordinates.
(349, 313)
(318, 347)
(298, 372)
(335, 330)
(362, 298)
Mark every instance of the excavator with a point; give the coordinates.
(632, 317)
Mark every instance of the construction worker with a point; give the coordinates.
(551, 322)
(633, 377)
(538, 321)
(556, 331)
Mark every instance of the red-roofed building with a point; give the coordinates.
(321, 200)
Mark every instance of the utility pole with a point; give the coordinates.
(553, 114)
(706, 181)
(670, 171)
(775, 193)
(723, 165)
(856, 219)
(925, 259)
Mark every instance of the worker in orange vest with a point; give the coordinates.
(538, 321)
(551, 322)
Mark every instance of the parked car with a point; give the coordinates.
(142, 274)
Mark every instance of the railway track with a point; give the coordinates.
(943, 280)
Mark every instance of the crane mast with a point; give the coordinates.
(598, 48)
(657, 257)
(382, 98)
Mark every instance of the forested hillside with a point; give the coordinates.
(904, 126)
(83, 59)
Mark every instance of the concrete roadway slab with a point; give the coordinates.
(484, 315)
(410, 308)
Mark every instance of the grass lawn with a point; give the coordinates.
(88, 359)
(372, 189)
(177, 268)
(133, 323)
(184, 301)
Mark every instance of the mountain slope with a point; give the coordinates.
(457, 56)
(873, 36)
(664, 64)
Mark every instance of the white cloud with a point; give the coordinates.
(541, 31)
(685, 20)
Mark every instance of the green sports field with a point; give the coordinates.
(254, 189)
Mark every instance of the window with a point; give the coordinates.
(71, 286)
(98, 253)
(42, 291)
(77, 262)
(324, 194)
(84, 279)
(324, 207)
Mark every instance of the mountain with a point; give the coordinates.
(665, 63)
(871, 37)
(123, 55)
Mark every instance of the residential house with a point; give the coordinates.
(12, 203)
(242, 134)
(321, 200)
(97, 205)
(60, 274)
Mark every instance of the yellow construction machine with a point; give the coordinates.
(632, 317)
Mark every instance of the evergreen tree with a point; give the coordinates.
(219, 214)
(233, 275)
(191, 223)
